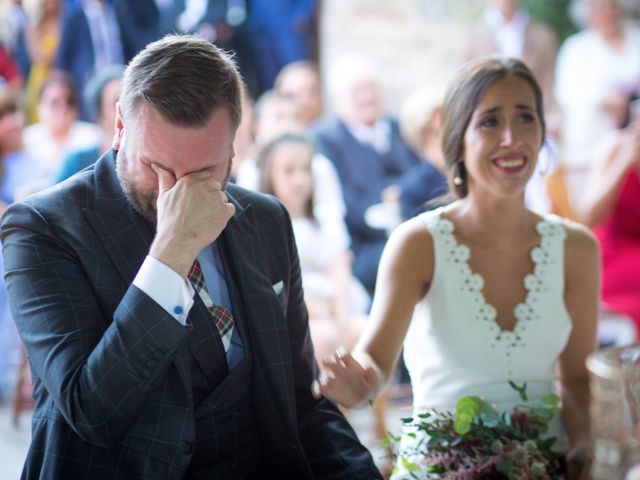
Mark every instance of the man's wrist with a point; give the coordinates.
(173, 256)
(166, 287)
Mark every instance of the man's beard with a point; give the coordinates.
(144, 202)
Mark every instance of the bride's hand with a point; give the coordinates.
(346, 381)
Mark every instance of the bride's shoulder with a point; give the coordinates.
(580, 245)
(579, 239)
(412, 240)
(415, 233)
(408, 257)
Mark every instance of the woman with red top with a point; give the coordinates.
(612, 208)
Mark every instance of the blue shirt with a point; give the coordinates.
(216, 283)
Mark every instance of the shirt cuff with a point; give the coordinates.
(166, 287)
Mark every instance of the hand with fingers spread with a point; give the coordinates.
(191, 213)
(346, 381)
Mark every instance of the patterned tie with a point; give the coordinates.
(222, 317)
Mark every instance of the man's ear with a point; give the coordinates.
(119, 130)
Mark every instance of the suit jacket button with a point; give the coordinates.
(146, 373)
(186, 447)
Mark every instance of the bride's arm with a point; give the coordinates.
(405, 270)
(582, 297)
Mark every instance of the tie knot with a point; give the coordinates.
(222, 317)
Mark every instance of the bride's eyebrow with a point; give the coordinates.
(518, 106)
(489, 111)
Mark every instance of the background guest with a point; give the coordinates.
(222, 22)
(99, 33)
(301, 81)
(421, 123)
(13, 23)
(596, 70)
(91, 39)
(273, 115)
(337, 302)
(507, 29)
(101, 95)
(366, 148)
(611, 205)
(276, 115)
(280, 32)
(17, 170)
(42, 35)
(59, 131)
(18, 167)
(9, 73)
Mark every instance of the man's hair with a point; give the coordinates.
(185, 79)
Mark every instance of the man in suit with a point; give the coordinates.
(162, 309)
(368, 152)
(99, 33)
(280, 32)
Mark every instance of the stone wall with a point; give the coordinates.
(418, 43)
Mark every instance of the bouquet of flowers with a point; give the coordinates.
(476, 442)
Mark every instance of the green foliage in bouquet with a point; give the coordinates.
(476, 442)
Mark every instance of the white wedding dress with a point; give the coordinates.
(455, 348)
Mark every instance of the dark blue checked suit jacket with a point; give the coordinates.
(111, 368)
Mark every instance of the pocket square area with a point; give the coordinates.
(277, 287)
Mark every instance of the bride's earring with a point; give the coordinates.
(457, 179)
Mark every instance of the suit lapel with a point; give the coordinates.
(265, 321)
(244, 261)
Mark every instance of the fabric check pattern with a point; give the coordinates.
(222, 317)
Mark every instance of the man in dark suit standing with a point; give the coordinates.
(99, 33)
(162, 309)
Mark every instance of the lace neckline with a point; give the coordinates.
(525, 312)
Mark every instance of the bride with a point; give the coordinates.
(483, 291)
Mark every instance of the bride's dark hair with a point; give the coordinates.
(463, 95)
